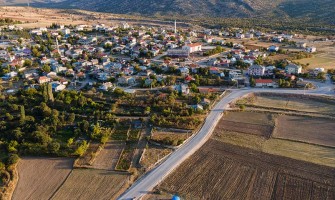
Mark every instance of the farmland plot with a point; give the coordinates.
(296, 103)
(39, 178)
(223, 171)
(108, 156)
(87, 184)
(260, 124)
(310, 130)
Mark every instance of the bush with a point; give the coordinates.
(13, 158)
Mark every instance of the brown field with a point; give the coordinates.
(310, 130)
(254, 129)
(108, 156)
(171, 135)
(255, 123)
(152, 154)
(92, 184)
(295, 103)
(222, 171)
(39, 178)
(250, 117)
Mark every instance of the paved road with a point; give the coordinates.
(145, 184)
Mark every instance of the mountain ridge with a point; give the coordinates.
(317, 10)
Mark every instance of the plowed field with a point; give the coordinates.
(223, 171)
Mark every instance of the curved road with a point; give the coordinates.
(146, 183)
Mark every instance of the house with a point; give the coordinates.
(240, 35)
(56, 86)
(273, 48)
(188, 79)
(124, 25)
(256, 70)
(316, 71)
(301, 44)
(126, 80)
(264, 83)
(178, 53)
(214, 70)
(205, 101)
(197, 107)
(106, 86)
(293, 69)
(249, 35)
(43, 79)
(184, 71)
(310, 49)
(193, 47)
(182, 88)
(9, 75)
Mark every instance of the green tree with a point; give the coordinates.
(252, 82)
(46, 68)
(22, 114)
(53, 147)
(71, 118)
(81, 149)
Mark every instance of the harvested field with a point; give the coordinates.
(291, 149)
(250, 117)
(254, 123)
(298, 103)
(108, 156)
(300, 151)
(304, 129)
(254, 129)
(92, 184)
(223, 171)
(152, 154)
(39, 178)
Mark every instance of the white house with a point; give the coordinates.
(273, 48)
(256, 70)
(310, 49)
(293, 69)
(106, 86)
(193, 47)
(240, 35)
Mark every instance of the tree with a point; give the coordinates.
(147, 110)
(71, 118)
(252, 82)
(46, 68)
(81, 148)
(13, 158)
(9, 117)
(22, 114)
(50, 94)
(53, 147)
(27, 63)
(84, 126)
(12, 146)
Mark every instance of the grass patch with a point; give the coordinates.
(125, 159)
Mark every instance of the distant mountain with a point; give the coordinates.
(317, 10)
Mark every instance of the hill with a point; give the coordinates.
(315, 10)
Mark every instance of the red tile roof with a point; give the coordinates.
(263, 81)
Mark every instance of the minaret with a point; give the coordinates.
(175, 26)
(57, 46)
